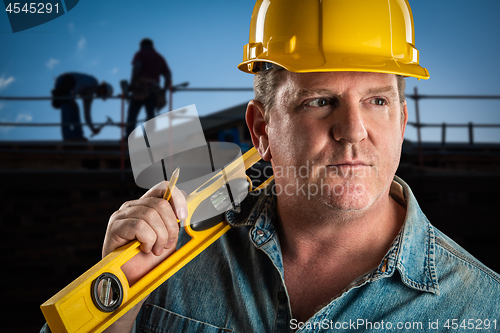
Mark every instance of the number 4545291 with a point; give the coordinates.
(471, 324)
(33, 8)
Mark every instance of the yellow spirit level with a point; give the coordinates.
(101, 295)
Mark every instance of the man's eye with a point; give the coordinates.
(378, 101)
(318, 102)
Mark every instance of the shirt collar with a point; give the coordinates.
(415, 257)
(411, 253)
(259, 211)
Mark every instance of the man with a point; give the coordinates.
(343, 246)
(147, 67)
(68, 86)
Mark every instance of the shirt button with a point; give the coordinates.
(260, 232)
(281, 296)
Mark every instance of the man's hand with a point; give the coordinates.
(153, 221)
(95, 130)
(161, 99)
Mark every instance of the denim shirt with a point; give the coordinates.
(425, 283)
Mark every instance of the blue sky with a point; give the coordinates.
(203, 42)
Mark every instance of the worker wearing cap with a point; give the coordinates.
(343, 246)
(67, 87)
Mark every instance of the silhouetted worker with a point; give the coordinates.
(147, 66)
(73, 85)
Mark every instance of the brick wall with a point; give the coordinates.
(56, 199)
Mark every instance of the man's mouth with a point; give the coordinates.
(349, 164)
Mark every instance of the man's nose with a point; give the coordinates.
(349, 126)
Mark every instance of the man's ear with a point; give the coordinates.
(404, 121)
(257, 127)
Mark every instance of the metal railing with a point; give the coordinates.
(417, 97)
(183, 88)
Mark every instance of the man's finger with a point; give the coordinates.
(156, 191)
(177, 200)
(179, 205)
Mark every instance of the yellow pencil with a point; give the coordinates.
(171, 184)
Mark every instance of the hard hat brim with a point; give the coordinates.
(348, 64)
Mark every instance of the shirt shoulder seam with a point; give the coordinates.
(471, 261)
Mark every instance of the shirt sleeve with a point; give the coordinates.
(137, 57)
(45, 329)
(164, 67)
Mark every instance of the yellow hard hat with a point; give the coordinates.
(333, 35)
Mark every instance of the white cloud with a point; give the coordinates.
(82, 43)
(5, 82)
(21, 118)
(51, 63)
(114, 70)
(24, 118)
(71, 27)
